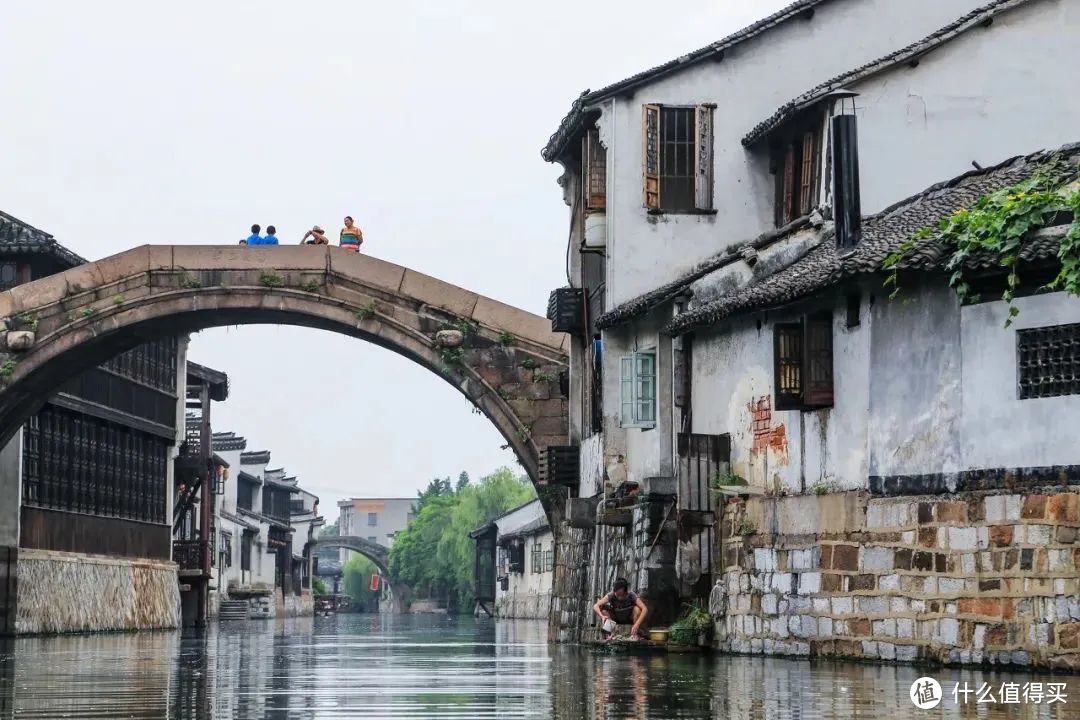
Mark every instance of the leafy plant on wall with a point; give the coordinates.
(998, 225)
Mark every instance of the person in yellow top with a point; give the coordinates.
(351, 237)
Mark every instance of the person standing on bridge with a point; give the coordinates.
(317, 237)
(351, 237)
(253, 238)
(271, 236)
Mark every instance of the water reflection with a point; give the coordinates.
(426, 667)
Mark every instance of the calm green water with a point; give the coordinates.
(368, 666)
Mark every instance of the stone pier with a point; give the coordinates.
(977, 577)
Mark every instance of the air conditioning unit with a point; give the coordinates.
(566, 310)
(560, 465)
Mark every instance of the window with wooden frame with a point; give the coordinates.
(678, 158)
(796, 163)
(637, 389)
(803, 363)
(537, 558)
(593, 172)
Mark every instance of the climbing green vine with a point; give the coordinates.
(997, 224)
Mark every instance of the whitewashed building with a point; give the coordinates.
(521, 576)
(729, 226)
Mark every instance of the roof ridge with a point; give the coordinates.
(559, 138)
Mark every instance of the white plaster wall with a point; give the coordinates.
(753, 80)
(988, 95)
(997, 429)
(592, 466)
(733, 368)
(528, 594)
(633, 453)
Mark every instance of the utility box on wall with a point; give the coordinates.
(566, 310)
(560, 465)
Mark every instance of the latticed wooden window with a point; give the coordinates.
(594, 171)
(803, 363)
(1048, 361)
(797, 164)
(787, 361)
(678, 158)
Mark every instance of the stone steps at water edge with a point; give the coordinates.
(233, 610)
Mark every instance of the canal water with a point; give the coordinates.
(372, 666)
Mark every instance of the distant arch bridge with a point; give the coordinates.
(401, 594)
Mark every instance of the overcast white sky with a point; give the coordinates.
(124, 122)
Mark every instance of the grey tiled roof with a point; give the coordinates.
(19, 237)
(255, 457)
(569, 125)
(883, 233)
(644, 303)
(975, 18)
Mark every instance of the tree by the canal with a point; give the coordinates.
(357, 575)
(435, 554)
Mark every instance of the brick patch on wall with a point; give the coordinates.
(971, 578)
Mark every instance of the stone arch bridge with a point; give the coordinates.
(506, 361)
(401, 593)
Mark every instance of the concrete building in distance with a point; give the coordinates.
(374, 519)
(901, 477)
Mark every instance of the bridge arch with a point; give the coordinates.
(506, 361)
(401, 594)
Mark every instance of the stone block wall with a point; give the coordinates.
(61, 592)
(262, 606)
(588, 561)
(524, 605)
(978, 577)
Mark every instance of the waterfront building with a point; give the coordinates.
(515, 563)
(759, 427)
(375, 519)
(85, 537)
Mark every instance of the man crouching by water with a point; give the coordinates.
(622, 607)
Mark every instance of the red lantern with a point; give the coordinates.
(374, 583)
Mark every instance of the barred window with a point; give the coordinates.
(537, 558)
(594, 171)
(678, 158)
(802, 363)
(1048, 361)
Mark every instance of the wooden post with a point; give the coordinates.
(206, 455)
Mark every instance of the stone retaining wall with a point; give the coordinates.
(964, 578)
(524, 606)
(62, 592)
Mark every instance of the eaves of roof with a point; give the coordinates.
(979, 17)
(18, 237)
(885, 232)
(572, 121)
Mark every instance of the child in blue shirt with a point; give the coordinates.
(271, 237)
(254, 238)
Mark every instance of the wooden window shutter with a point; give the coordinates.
(594, 171)
(787, 365)
(650, 133)
(703, 168)
(818, 361)
(806, 182)
(626, 390)
(789, 184)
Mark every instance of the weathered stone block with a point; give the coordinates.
(1038, 535)
(20, 340)
(872, 605)
(963, 538)
(1034, 507)
(950, 585)
(877, 558)
(1001, 535)
(810, 583)
(845, 557)
(994, 507)
(948, 631)
(1064, 507)
(952, 512)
